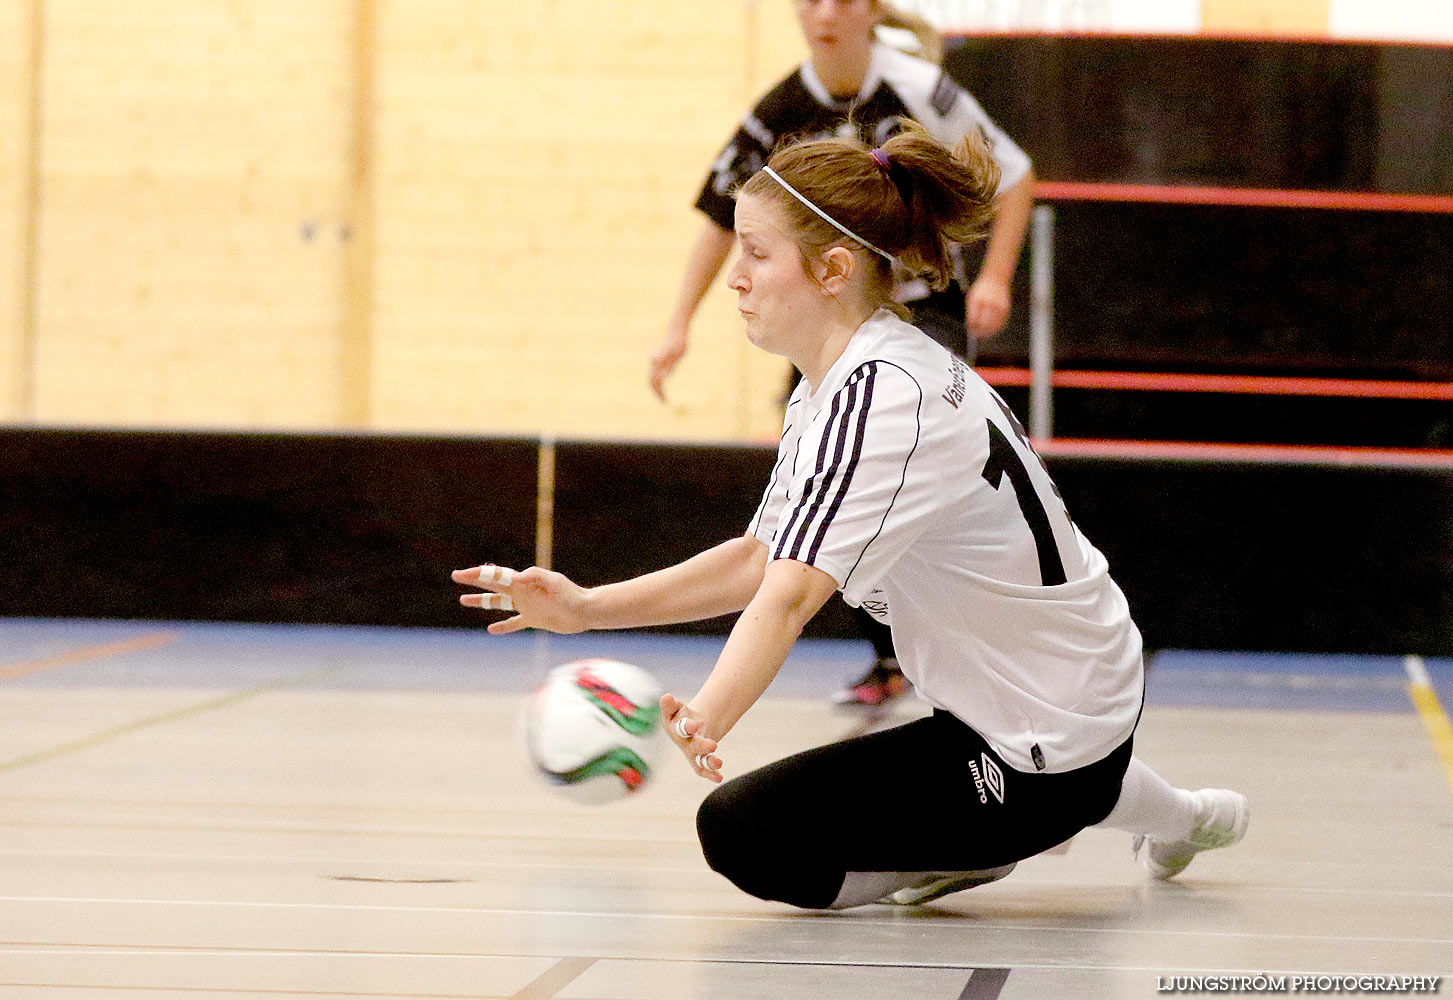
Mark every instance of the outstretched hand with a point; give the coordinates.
(663, 362)
(685, 732)
(539, 598)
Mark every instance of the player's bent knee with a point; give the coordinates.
(756, 854)
(729, 840)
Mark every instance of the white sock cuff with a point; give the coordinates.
(1151, 805)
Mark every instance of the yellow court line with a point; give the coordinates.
(152, 640)
(1435, 720)
(105, 735)
(554, 979)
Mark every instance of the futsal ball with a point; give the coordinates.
(594, 729)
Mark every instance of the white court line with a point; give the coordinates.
(563, 866)
(1417, 671)
(162, 825)
(253, 859)
(946, 922)
(461, 812)
(153, 952)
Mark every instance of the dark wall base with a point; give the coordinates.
(365, 529)
(268, 528)
(1297, 558)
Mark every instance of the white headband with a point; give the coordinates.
(824, 216)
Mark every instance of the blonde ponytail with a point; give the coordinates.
(930, 42)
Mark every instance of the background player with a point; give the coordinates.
(852, 82)
(905, 483)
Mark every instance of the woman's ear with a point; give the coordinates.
(835, 269)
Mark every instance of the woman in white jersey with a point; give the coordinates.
(903, 482)
(854, 84)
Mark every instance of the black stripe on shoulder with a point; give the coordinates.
(840, 433)
(945, 92)
(917, 436)
(807, 488)
(852, 466)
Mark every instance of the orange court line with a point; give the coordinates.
(151, 640)
(1265, 454)
(1364, 201)
(1267, 385)
(1219, 35)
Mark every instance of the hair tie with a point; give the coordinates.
(895, 174)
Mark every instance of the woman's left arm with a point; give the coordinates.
(987, 301)
(790, 594)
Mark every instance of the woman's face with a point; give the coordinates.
(834, 28)
(780, 303)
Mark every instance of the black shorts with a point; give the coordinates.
(931, 795)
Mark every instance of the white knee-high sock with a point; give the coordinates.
(1150, 805)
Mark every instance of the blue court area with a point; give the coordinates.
(1291, 681)
(91, 653)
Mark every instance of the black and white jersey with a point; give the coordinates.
(897, 86)
(905, 478)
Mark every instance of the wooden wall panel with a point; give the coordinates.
(15, 142)
(1285, 17)
(535, 177)
(189, 261)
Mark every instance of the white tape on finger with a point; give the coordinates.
(496, 574)
(681, 728)
(496, 602)
(703, 761)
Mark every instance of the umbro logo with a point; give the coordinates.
(988, 780)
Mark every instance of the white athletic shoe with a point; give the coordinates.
(1221, 818)
(950, 882)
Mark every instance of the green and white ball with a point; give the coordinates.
(594, 729)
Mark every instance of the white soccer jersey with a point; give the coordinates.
(907, 480)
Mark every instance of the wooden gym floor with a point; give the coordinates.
(212, 811)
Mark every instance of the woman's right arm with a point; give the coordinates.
(703, 264)
(719, 581)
